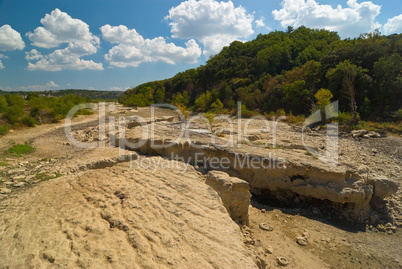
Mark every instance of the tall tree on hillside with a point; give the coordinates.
(343, 78)
(388, 75)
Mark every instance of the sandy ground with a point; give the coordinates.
(94, 212)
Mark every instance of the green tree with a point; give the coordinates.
(296, 97)
(159, 95)
(323, 97)
(204, 102)
(343, 78)
(225, 93)
(388, 75)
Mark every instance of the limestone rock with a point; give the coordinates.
(372, 134)
(167, 218)
(19, 184)
(358, 133)
(18, 178)
(137, 121)
(4, 190)
(282, 261)
(301, 240)
(365, 134)
(266, 226)
(383, 186)
(234, 193)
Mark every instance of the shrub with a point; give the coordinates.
(204, 102)
(28, 121)
(280, 112)
(245, 113)
(183, 110)
(13, 114)
(4, 129)
(344, 118)
(3, 104)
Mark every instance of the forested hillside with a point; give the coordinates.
(284, 70)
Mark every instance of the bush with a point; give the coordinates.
(280, 112)
(4, 129)
(344, 118)
(204, 102)
(245, 113)
(3, 104)
(29, 121)
(13, 114)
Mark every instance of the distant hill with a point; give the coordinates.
(284, 70)
(92, 94)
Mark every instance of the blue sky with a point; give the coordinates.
(114, 45)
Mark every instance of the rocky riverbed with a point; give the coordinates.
(142, 206)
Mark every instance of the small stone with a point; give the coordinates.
(263, 210)
(19, 184)
(381, 228)
(4, 191)
(15, 171)
(266, 226)
(18, 178)
(302, 241)
(269, 249)
(388, 225)
(248, 240)
(282, 261)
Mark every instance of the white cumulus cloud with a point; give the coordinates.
(350, 21)
(260, 22)
(132, 49)
(51, 84)
(115, 89)
(48, 86)
(10, 39)
(394, 25)
(2, 57)
(214, 24)
(59, 28)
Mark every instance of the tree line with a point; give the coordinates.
(17, 111)
(284, 70)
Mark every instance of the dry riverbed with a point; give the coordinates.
(65, 206)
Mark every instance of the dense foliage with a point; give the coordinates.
(284, 70)
(17, 111)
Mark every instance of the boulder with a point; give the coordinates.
(358, 133)
(383, 186)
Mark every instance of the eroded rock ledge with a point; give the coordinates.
(234, 193)
(278, 172)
